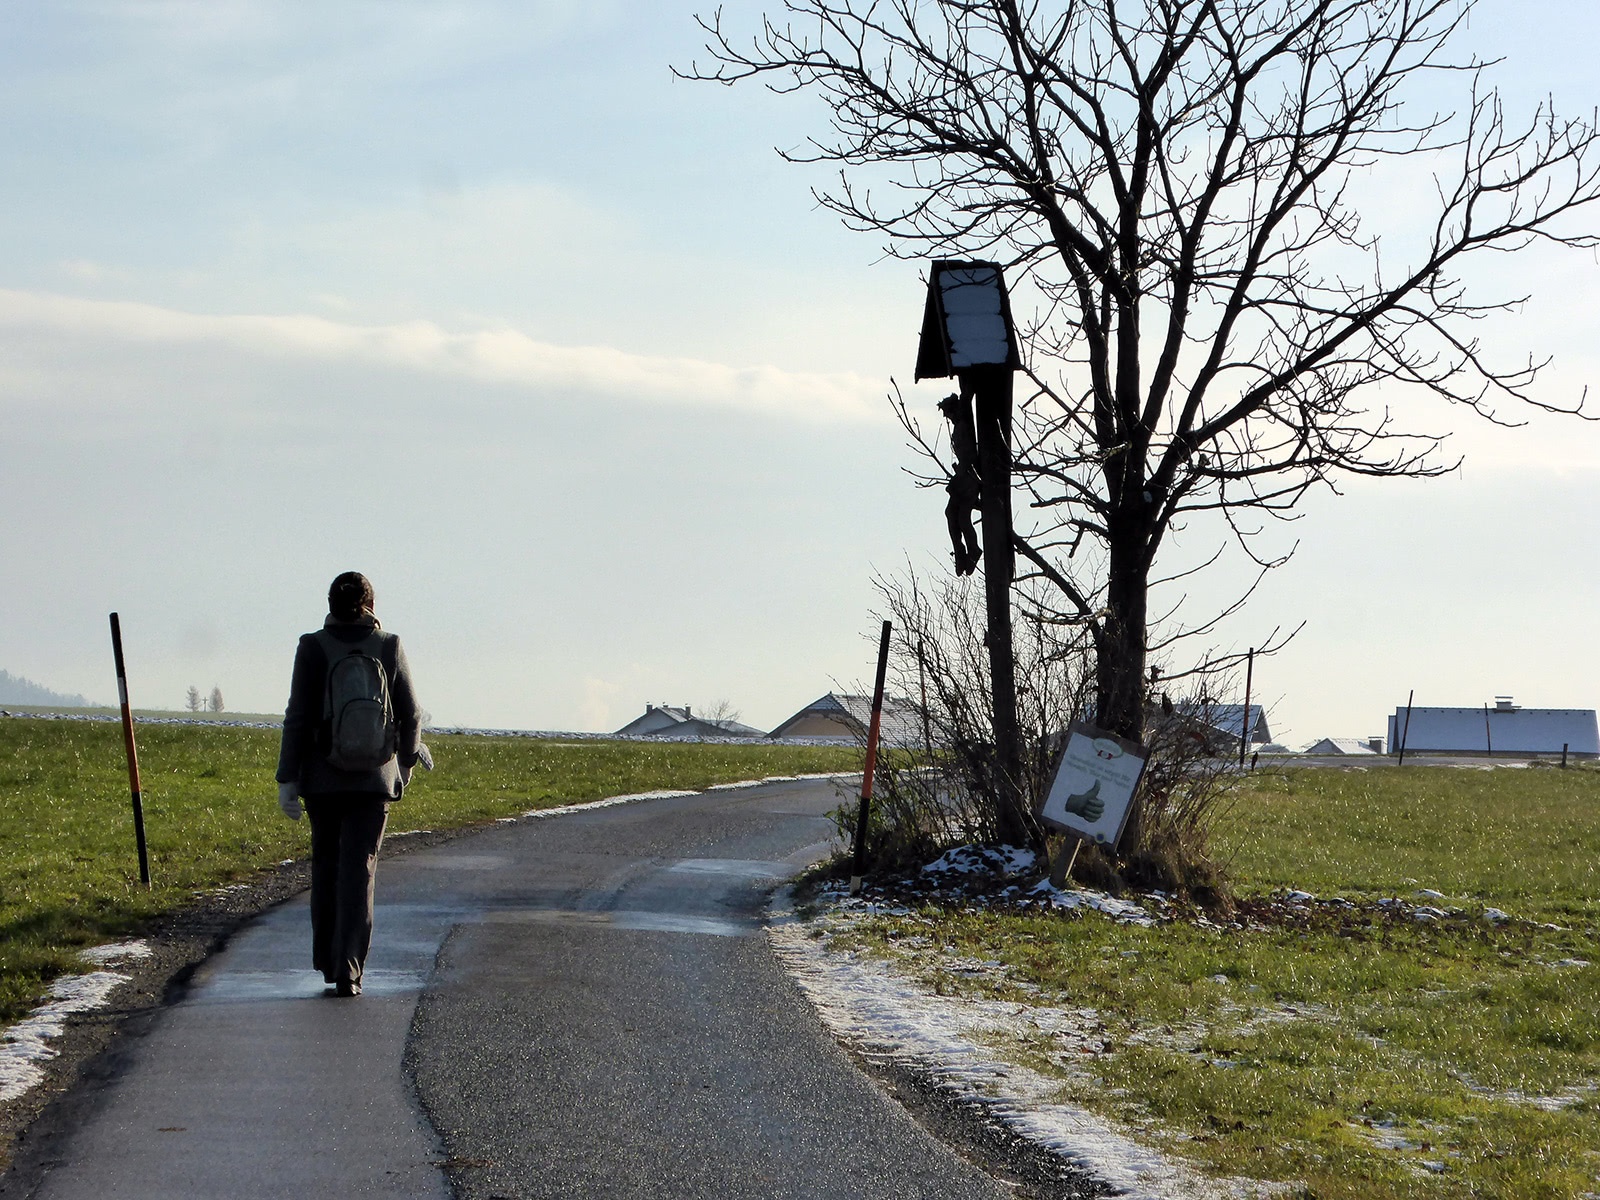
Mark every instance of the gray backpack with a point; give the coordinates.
(358, 718)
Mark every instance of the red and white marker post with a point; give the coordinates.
(872, 761)
(133, 751)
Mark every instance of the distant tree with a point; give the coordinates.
(15, 689)
(1217, 326)
(216, 699)
(721, 710)
(193, 702)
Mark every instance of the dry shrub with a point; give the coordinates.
(1167, 845)
(935, 783)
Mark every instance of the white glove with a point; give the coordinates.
(424, 760)
(289, 800)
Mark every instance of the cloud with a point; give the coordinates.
(503, 356)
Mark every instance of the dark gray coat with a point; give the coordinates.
(301, 760)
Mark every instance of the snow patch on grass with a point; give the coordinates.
(982, 860)
(866, 1002)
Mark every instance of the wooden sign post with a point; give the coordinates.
(967, 331)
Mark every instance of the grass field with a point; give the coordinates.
(68, 869)
(1350, 1048)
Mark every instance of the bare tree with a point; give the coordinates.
(192, 701)
(1217, 326)
(216, 699)
(720, 710)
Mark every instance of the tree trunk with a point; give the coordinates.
(1119, 666)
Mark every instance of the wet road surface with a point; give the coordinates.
(576, 1006)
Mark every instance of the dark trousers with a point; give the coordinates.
(346, 831)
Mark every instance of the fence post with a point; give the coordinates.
(132, 751)
(865, 811)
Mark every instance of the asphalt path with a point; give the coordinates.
(576, 1006)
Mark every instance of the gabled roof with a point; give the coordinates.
(654, 719)
(899, 725)
(665, 721)
(1227, 719)
(695, 727)
(1340, 746)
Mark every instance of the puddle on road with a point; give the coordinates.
(651, 922)
(233, 987)
(742, 867)
(460, 862)
(678, 923)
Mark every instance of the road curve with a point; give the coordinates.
(576, 1006)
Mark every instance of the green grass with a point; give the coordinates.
(1343, 1052)
(69, 873)
(1520, 840)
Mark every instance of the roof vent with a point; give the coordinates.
(1504, 704)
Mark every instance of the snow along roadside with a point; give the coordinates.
(26, 1045)
(866, 1003)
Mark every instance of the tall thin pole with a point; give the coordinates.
(1488, 737)
(1244, 721)
(133, 751)
(872, 762)
(1406, 732)
(922, 676)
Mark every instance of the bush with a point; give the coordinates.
(935, 784)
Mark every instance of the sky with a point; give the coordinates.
(478, 299)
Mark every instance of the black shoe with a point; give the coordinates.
(345, 988)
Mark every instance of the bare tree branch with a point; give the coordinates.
(1216, 326)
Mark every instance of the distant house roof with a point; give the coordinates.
(1501, 728)
(656, 719)
(665, 721)
(1217, 724)
(845, 717)
(699, 727)
(1341, 746)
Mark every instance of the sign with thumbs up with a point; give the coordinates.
(1094, 785)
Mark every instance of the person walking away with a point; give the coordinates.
(351, 737)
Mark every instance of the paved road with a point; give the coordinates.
(583, 1005)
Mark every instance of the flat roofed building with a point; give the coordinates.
(1498, 728)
